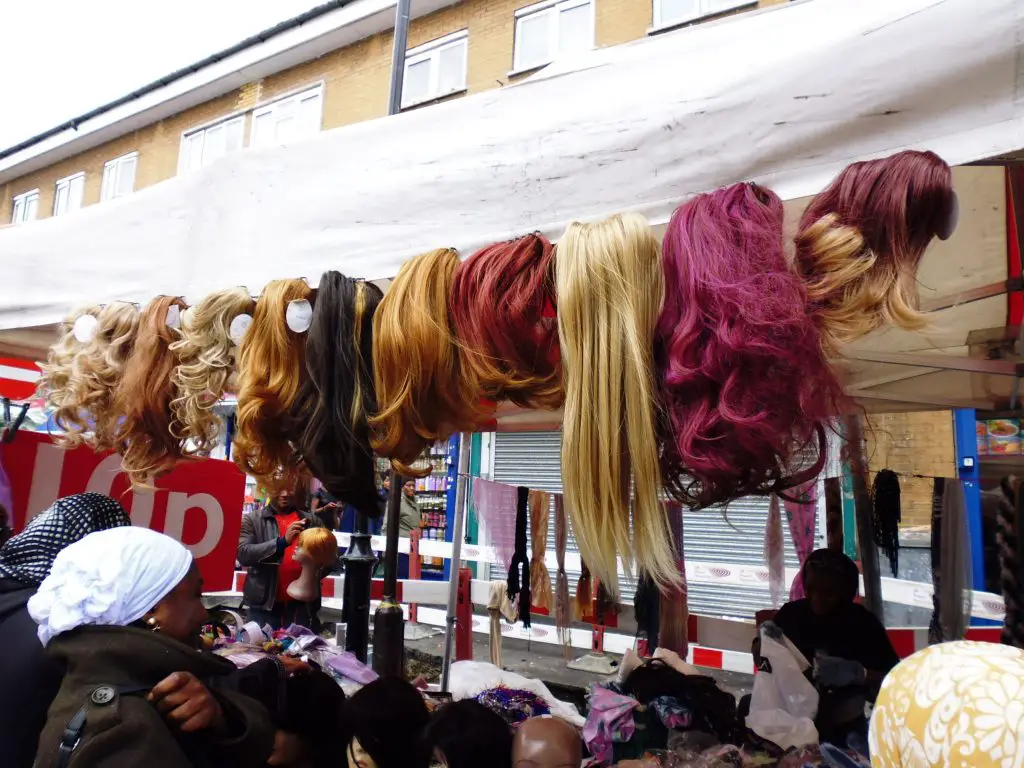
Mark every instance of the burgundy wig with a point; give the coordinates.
(745, 383)
(502, 304)
(861, 240)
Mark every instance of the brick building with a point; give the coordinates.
(327, 68)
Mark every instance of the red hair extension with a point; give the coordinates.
(499, 300)
(861, 240)
(745, 382)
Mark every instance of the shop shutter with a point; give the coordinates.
(533, 459)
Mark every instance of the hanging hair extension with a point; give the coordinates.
(424, 391)
(610, 289)
(519, 587)
(206, 361)
(270, 373)
(86, 413)
(745, 383)
(331, 408)
(57, 372)
(540, 578)
(143, 398)
(502, 306)
(861, 240)
(563, 610)
(885, 507)
(584, 592)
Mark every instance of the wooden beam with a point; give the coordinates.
(940, 362)
(862, 501)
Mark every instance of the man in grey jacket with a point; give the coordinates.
(265, 547)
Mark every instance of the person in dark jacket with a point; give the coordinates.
(266, 547)
(122, 609)
(25, 560)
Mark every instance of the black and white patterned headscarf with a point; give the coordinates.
(28, 556)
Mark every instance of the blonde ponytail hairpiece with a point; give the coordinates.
(610, 289)
(87, 414)
(206, 360)
(53, 385)
(270, 373)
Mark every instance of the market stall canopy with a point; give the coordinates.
(785, 96)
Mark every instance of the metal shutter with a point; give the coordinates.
(533, 459)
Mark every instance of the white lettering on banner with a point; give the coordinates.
(102, 481)
(178, 504)
(49, 464)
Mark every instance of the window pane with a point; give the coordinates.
(416, 86)
(263, 129)
(286, 116)
(76, 192)
(452, 63)
(192, 149)
(716, 6)
(31, 208)
(60, 199)
(214, 144)
(575, 32)
(309, 115)
(126, 176)
(19, 210)
(533, 40)
(234, 134)
(673, 11)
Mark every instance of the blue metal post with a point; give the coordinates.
(966, 438)
(450, 498)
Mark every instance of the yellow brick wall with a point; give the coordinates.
(355, 89)
(913, 443)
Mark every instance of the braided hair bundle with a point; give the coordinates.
(886, 515)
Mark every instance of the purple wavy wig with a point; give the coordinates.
(744, 380)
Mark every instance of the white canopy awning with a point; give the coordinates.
(786, 96)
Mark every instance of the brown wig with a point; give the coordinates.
(503, 308)
(206, 361)
(540, 579)
(86, 413)
(142, 400)
(270, 374)
(332, 407)
(425, 392)
(861, 240)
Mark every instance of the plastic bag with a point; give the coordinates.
(784, 702)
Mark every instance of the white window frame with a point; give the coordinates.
(223, 121)
(296, 95)
(554, 8)
(66, 182)
(21, 203)
(432, 52)
(704, 10)
(108, 191)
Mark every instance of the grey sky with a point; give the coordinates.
(64, 57)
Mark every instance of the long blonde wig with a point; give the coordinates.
(87, 413)
(270, 372)
(424, 390)
(53, 385)
(610, 289)
(206, 361)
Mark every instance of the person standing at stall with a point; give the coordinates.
(266, 547)
(408, 521)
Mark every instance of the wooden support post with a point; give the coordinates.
(464, 616)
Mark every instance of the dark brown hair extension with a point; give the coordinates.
(143, 398)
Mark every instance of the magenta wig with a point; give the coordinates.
(745, 383)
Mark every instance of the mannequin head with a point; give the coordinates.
(382, 723)
(319, 545)
(547, 742)
(466, 734)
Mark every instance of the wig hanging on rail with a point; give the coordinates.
(330, 413)
(503, 309)
(610, 291)
(270, 373)
(744, 381)
(86, 414)
(57, 370)
(425, 392)
(861, 240)
(206, 363)
(142, 400)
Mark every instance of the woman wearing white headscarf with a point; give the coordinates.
(25, 560)
(122, 609)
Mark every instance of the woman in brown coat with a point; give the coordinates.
(122, 609)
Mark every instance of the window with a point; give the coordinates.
(546, 30)
(288, 119)
(202, 147)
(670, 12)
(119, 177)
(435, 69)
(26, 206)
(68, 195)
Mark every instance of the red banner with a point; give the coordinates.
(199, 503)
